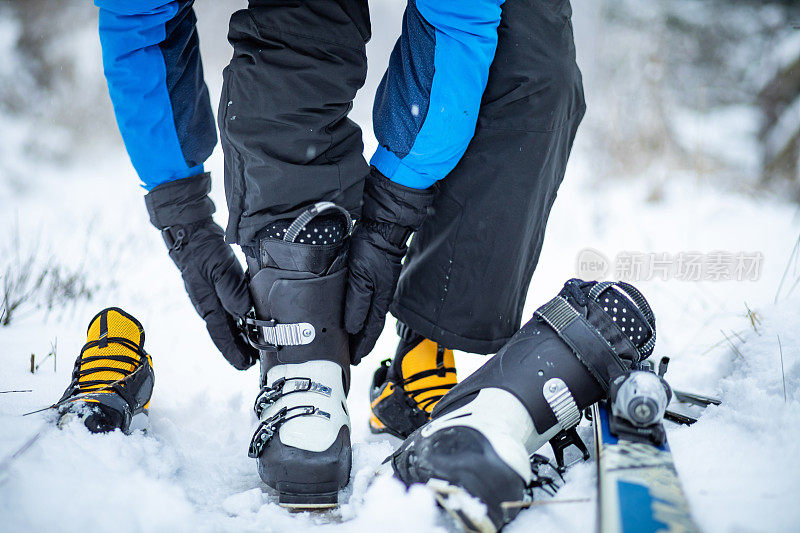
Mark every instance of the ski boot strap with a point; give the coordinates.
(590, 347)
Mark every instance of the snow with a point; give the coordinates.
(190, 471)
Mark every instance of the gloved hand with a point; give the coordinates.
(390, 214)
(212, 275)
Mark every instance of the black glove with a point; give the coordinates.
(390, 214)
(212, 275)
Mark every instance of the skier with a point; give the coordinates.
(475, 118)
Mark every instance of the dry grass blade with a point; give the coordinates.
(538, 503)
(30, 282)
(783, 373)
(755, 321)
(733, 346)
(792, 259)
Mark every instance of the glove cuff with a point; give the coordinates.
(387, 202)
(182, 201)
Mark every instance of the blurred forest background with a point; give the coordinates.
(708, 86)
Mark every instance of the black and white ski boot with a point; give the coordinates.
(297, 280)
(476, 453)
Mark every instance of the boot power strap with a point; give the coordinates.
(591, 348)
(269, 335)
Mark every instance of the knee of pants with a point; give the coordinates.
(289, 87)
(540, 98)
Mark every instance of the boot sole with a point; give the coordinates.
(467, 511)
(384, 431)
(300, 502)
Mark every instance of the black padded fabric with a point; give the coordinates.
(627, 316)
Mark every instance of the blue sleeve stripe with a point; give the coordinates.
(136, 72)
(406, 86)
(465, 43)
(191, 104)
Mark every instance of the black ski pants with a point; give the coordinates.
(288, 143)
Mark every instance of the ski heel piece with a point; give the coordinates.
(639, 402)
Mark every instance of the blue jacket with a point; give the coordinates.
(425, 110)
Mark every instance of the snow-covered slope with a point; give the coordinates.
(191, 471)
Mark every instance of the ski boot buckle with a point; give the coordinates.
(267, 429)
(269, 335)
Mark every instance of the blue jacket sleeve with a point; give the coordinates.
(151, 59)
(427, 104)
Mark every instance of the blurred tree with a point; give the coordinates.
(52, 93)
(780, 130)
(674, 81)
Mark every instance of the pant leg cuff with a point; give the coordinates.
(449, 339)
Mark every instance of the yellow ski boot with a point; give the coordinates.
(405, 390)
(113, 376)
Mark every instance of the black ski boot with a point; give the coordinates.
(298, 276)
(113, 377)
(476, 452)
(406, 389)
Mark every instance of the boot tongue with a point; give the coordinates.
(103, 338)
(626, 315)
(113, 322)
(428, 370)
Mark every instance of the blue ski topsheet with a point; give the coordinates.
(638, 487)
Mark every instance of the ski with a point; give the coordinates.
(638, 486)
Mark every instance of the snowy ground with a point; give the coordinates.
(191, 472)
